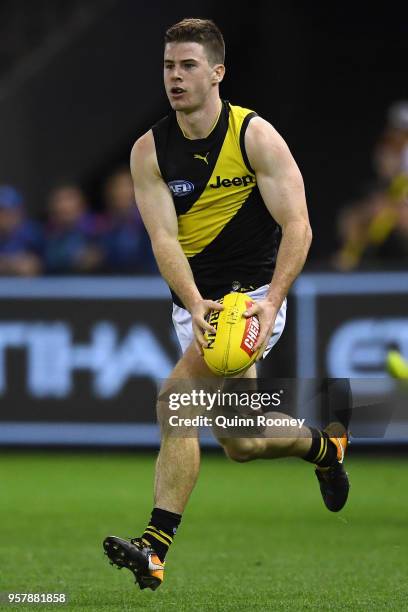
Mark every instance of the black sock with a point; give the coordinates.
(322, 452)
(160, 531)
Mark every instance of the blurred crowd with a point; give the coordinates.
(373, 230)
(75, 239)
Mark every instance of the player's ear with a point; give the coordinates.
(218, 73)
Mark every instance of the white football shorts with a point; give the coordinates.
(184, 329)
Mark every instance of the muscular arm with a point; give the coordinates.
(281, 186)
(159, 216)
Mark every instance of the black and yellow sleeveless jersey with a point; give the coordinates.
(224, 227)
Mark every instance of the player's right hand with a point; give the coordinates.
(198, 316)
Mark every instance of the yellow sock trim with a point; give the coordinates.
(165, 535)
(159, 531)
(157, 536)
(323, 448)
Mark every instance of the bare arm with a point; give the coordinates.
(281, 185)
(159, 216)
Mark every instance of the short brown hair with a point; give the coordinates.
(203, 31)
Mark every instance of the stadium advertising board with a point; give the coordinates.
(346, 324)
(81, 359)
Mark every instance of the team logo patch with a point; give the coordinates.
(181, 188)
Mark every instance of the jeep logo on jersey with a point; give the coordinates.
(236, 181)
(181, 188)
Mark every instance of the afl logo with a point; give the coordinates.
(181, 188)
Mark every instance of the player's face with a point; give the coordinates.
(188, 77)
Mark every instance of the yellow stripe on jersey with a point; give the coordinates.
(229, 187)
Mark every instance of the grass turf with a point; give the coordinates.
(254, 535)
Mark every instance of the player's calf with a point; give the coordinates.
(242, 449)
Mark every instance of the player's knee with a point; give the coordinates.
(240, 450)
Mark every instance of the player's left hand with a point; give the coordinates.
(266, 313)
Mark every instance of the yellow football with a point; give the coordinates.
(231, 349)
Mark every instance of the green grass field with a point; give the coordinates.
(255, 536)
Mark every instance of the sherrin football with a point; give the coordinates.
(230, 349)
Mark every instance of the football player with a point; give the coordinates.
(223, 202)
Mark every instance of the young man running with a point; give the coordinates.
(223, 201)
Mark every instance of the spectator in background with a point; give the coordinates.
(21, 240)
(374, 230)
(72, 235)
(391, 151)
(125, 242)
